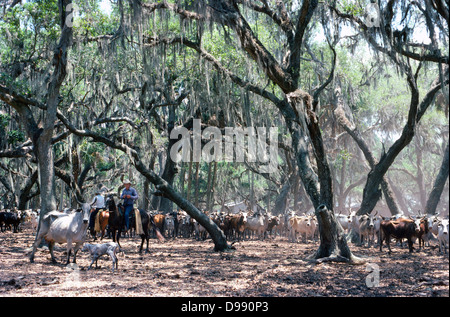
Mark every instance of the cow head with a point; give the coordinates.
(85, 211)
(370, 223)
(244, 217)
(432, 221)
(443, 227)
(308, 221)
(416, 223)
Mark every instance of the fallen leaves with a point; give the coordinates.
(185, 267)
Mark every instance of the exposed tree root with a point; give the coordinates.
(339, 258)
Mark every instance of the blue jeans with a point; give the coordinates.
(128, 209)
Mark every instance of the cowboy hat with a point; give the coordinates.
(126, 181)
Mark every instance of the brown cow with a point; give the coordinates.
(225, 225)
(423, 231)
(399, 229)
(237, 224)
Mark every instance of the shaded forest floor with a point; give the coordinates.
(186, 267)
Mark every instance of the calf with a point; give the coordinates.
(443, 235)
(403, 228)
(63, 228)
(97, 250)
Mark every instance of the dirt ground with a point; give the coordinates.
(186, 267)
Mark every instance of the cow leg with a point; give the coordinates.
(50, 248)
(388, 242)
(147, 238)
(69, 251)
(380, 240)
(75, 250)
(113, 258)
(35, 245)
(94, 259)
(410, 245)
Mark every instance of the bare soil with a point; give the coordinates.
(186, 267)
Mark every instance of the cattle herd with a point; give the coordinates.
(71, 227)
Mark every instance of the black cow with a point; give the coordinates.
(11, 218)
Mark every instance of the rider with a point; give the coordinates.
(129, 195)
(97, 204)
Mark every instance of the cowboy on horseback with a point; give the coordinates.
(129, 195)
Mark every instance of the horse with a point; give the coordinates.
(116, 219)
(147, 223)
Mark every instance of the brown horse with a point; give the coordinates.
(103, 219)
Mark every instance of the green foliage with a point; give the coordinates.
(15, 136)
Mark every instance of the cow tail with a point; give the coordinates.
(159, 236)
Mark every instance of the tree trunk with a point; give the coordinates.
(439, 184)
(25, 192)
(416, 111)
(333, 240)
(353, 131)
(333, 244)
(217, 235)
(170, 168)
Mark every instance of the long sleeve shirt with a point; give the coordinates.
(132, 192)
(98, 202)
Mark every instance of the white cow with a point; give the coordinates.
(443, 235)
(257, 224)
(170, 225)
(366, 229)
(58, 227)
(433, 223)
(303, 225)
(199, 230)
(346, 220)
